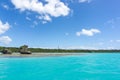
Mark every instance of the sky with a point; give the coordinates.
(67, 24)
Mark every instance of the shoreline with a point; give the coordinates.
(39, 54)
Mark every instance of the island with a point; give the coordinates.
(24, 51)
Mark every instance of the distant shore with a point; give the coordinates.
(39, 54)
(42, 50)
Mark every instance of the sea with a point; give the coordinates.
(91, 66)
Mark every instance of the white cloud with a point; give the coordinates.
(110, 47)
(66, 34)
(100, 43)
(86, 32)
(44, 19)
(35, 23)
(44, 22)
(47, 18)
(4, 27)
(117, 40)
(111, 40)
(82, 1)
(5, 6)
(5, 39)
(78, 33)
(80, 47)
(113, 23)
(27, 18)
(52, 8)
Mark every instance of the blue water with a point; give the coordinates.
(84, 67)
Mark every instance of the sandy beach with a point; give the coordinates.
(39, 54)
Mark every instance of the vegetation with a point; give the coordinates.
(6, 51)
(40, 50)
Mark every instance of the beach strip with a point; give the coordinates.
(39, 54)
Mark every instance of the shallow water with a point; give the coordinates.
(83, 67)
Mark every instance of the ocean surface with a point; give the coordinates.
(83, 67)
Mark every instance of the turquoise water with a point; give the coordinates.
(84, 67)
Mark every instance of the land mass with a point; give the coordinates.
(41, 50)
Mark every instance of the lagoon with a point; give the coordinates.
(96, 66)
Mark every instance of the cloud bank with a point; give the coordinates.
(51, 8)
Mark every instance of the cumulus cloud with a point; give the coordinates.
(52, 8)
(5, 39)
(82, 1)
(4, 27)
(86, 32)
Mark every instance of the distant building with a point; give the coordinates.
(24, 49)
(6, 51)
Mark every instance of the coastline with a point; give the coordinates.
(39, 54)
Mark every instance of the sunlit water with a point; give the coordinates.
(83, 67)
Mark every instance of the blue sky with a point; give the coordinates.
(69, 24)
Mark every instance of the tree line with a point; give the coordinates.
(41, 50)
